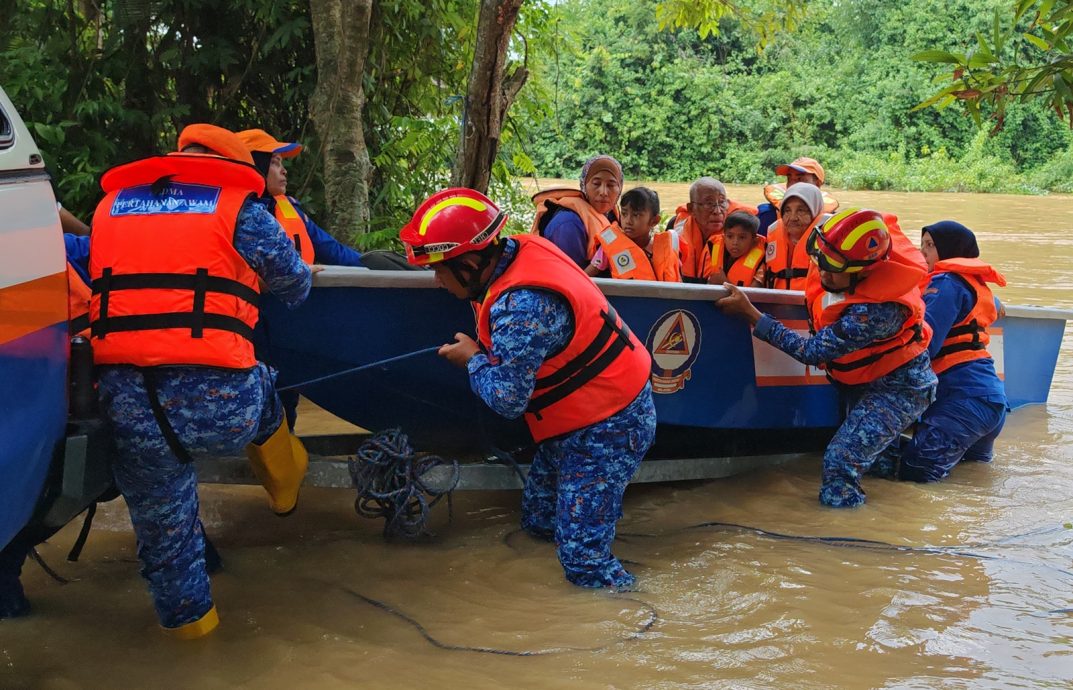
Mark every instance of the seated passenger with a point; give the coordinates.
(801, 170)
(786, 257)
(738, 254)
(638, 251)
(572, 220)
(699, 222)
(970, 405)
(864, 301)
(314, 244)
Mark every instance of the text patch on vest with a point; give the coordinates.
(175, 197)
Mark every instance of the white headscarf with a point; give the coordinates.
(809, 193)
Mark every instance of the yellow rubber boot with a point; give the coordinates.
(280, 464)
(195, 629)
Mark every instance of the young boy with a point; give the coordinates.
(635, 251)
(738, 254)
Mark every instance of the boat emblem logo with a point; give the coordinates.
(674, 341)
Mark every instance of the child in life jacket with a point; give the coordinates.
(636, 251)
(738, 254)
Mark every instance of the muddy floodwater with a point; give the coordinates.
(481, 606)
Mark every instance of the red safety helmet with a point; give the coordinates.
(850, 241)
(451, 223)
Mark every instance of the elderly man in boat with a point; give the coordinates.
(864, 300)
(699, 224)
(552, 349)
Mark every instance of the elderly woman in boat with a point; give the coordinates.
(786, 258)
(574, 220)
(865, 303)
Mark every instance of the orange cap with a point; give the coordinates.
(803, 164)
(262, 142)
(222, 142)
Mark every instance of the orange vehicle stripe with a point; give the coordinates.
(33, 305)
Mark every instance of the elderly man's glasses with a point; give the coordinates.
(712, 205)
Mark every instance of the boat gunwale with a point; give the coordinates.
(349, 276)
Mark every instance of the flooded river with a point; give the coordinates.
(716, 607)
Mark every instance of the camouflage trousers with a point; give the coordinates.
(575, 487)
(874, 422)
(213, 412)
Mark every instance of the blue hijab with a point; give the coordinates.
(952, 240)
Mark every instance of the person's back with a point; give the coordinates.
(178, 250)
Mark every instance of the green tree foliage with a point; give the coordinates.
(1024, 56)
(840, 87)
(101, 82)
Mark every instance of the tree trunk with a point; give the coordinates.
(488, 95)
(341, 36)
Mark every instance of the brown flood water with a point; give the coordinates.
(732, 608)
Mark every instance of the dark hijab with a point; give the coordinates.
(952, 240)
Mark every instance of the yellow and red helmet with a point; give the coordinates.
(850, 241)
(451, 223)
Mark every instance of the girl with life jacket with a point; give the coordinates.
(573, 219)
(864, 303)
(786, 257)
(970, 406)
(738, 254)
(638, 251)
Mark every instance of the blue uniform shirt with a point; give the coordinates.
(77, 248)
(947, 301)
(525, 326)
(859, 326)
(326, 249)
(567, 231)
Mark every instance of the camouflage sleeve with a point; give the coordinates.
(526, 325)
(261, 242)
(860, 326)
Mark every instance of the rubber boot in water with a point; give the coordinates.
(195, 629)
(280, 464)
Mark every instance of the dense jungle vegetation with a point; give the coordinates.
(101, 82)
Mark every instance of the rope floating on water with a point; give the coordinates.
(646, 625)
(389, 478)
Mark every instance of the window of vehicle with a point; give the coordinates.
(7, 132)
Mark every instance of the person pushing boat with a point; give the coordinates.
(864, 303)
(552, 349)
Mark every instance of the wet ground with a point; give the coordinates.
(318, 600)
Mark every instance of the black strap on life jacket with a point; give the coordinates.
(297, 242)
(612, 338)
(197, 319)
(787, 274)
(972, 328)
(918, 335)
(78, 324)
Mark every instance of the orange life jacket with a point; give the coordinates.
(168, 285)
(968, 339)
(784, 272)
(603, 367)
(696, 251)
(743, 270)
(78, 296)
(294, 227)
(776, 191)
(627, 261)
(895, 280)
(550, 200)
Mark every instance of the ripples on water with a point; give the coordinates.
(737, 609)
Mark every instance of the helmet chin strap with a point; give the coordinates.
(854, 279)
(470, 278)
